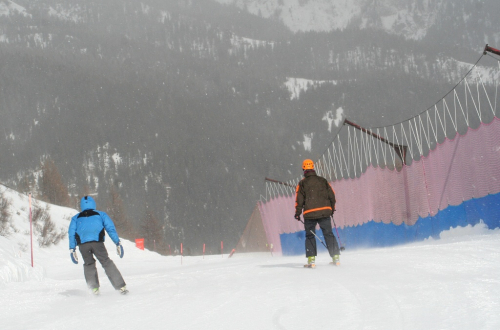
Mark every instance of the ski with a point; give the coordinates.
(336, 264)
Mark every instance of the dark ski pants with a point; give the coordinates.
(97, 249)
(326, 226)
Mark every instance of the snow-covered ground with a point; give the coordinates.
(296, 86)
(451, 283)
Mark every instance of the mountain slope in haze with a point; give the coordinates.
(414, 20)
(183, 107)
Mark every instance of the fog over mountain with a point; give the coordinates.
(183, 107)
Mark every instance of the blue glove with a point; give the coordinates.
(119, 249)
(73, 255)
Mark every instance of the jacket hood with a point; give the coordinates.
(87, 203)
(308, 173)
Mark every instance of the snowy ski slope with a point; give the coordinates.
(451, 283)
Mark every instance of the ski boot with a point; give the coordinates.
(95, 291)
(310, 262)
(123, 290)
(336, 260)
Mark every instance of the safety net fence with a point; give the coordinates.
(410, 180)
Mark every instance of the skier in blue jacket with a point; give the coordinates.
(87, 231)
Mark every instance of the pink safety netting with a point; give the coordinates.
(459, 169)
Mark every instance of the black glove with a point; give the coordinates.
(297, 217)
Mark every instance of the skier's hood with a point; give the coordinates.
(87, 203)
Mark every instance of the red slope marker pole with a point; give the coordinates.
(31, 230)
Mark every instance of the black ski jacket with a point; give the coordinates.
(315, 196)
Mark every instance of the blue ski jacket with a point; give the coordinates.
(90, 224)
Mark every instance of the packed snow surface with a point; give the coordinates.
(450, 283)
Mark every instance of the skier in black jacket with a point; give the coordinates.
(316, 199)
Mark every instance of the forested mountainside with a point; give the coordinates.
(435, 21)
(179, 109)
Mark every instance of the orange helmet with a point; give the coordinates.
(307, 165)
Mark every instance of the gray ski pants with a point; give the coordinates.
(97, 249)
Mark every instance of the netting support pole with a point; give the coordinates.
(399, 149)
(491, 50)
